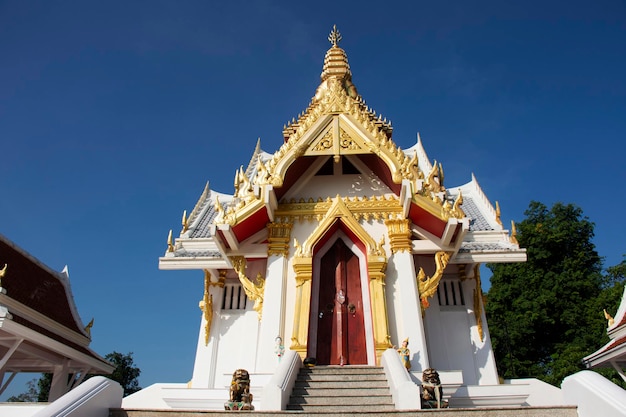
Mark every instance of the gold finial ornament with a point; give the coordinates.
(498, 214)
(335, 37)
(170, 245)
(513, 237)
(88, 328)
(3, 272)
(609, 318)
(184, 221)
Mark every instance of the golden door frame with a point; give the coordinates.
(303, 267)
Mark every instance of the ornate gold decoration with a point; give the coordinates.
(220, 282)
(184, 222)
(513, 238)
(3, 272)
(206, 305)
(478, 296)
(428, 285)
(346, 142)
(611, 320)
(457, 211)
(362, 208)
(325, 143)
(498, 214)
(430, 184)
(88, 327)
(170, 242)
(278, 240)
(399, 235)
(254, 290)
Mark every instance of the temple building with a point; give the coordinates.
(40, 328)
(338, 245)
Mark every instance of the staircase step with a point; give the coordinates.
(340, 383)
(348, 369)
(333, 401)
(341, 377)
(339, 391)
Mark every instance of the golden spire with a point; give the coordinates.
(335, 36)
(609, 318)
(336, 61)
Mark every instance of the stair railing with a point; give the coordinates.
(276, 393)
(405, 393)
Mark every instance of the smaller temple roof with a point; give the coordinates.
(40, 328)
(612, 353)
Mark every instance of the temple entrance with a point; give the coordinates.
(340, 319)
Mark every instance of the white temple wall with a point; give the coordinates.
(272, 323)
(238, 340)
(487, 372)
(452, 332)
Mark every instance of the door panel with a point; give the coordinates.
(340, 321)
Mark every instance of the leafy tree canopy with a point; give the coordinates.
(545, 315)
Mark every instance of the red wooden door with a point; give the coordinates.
(340, 327)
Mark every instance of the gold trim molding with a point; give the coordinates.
(361, 208)
(206, 305)
(478, 295)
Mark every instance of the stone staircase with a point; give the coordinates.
(341, 389)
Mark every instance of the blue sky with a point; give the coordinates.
(113, 115)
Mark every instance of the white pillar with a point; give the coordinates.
(408, 309)
(58, 385)
(272, 324)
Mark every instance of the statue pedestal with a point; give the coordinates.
(237, 405)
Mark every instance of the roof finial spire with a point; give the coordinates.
(335, 36)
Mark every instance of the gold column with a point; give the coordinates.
(376, 266)
(304, 273)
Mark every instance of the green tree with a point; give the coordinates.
(543, 314)
(125, 373)
(30, 396)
